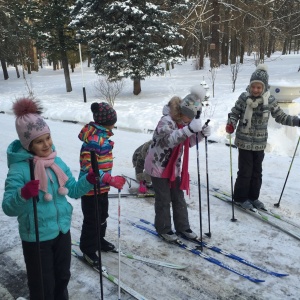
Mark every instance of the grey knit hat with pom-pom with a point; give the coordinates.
(191, 103)
(261, 75)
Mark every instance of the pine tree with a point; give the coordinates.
(50, 30)
(130, 38)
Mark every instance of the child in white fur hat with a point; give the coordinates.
(250, 116)
(174, 135)
(53, 181)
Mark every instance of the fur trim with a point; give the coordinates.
(174, 105)
(24, 106)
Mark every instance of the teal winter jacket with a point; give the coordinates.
(53, 216)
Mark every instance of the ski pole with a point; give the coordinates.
(199, 187)
(277, 204)
(119, 246)
(207, 184)
(36, 227)
(96, 194)
(233, 219)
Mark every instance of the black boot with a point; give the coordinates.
(92, 259)
(106, 246)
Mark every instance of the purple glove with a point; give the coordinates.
(142, 188)
(114, 181)
(30, 189)
(91, 177)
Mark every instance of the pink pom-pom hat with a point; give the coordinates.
(29, 122)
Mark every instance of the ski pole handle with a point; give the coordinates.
(206, 123)
(94, 163)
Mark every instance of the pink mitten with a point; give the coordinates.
(114, 181)
(30, 189)
(91, 177)
(142, 187)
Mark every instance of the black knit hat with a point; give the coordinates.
(103, 114)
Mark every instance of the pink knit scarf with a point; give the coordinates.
(169, 171)
(41, 163)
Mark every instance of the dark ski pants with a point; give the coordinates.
(249, 175)
(88, 238)
(56, 261)
(164, 196)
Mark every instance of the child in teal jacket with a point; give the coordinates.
(53, 181)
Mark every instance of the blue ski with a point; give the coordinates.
(228, 254)
(180, 244)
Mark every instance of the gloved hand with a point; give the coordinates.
(30, 189)
(195, 125)
(229, 128)
(114, 181)
(206, 130)
(142, 187)
(91, 177)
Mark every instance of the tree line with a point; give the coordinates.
(136, 38)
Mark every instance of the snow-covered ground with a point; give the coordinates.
(249, 238)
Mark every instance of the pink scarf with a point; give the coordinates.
(169, 171)
(41, 163)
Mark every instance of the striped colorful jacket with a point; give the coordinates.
(96, 138)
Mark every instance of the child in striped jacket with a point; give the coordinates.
(96, 137)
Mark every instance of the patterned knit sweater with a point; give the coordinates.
(96, 137)
(256, 138)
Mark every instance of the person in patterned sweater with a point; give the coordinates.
(175, 133)
(250, 116)
(96, 137)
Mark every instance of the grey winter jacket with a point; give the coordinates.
(256, 138)
(139, 155)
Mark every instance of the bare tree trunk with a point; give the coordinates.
(136, 86)
(17, 70)
(4, 68)
(242, 52)
(29, 68)
(233, 50)
(65, 65)
(269, 49)
(34, 66)
(225, 40)
(201, 54)
(215, 46)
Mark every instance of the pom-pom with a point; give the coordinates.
(262, 67)
(48, 197)
(95, 107)
(63, 191)
(24, 106)
(199, 91)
